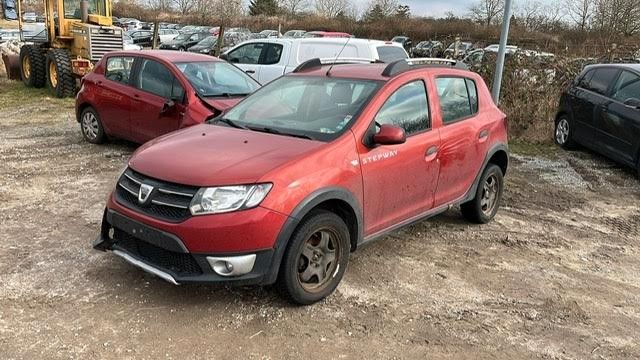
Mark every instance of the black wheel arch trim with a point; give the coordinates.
(300, 211)
(494, 150)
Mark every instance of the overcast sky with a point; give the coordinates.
(433, 8)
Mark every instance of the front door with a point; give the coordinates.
(400, 180)
(156, 106)
(247, 57)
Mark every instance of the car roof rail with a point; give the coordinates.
(402, 65)
(318, 62)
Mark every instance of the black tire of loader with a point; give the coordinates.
(66, 86)
(37, 61)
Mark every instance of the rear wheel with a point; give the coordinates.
(32, 66)
(91, 126)
(484, 205)
(59, 75)
(316, 258)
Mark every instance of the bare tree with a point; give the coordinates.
(184, 6)
(487, 11)
(159, 5)
(331, 8)
(294, 6)
(617, 17)
(580, 12)
(388, 7)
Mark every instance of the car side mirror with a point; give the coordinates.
(168, 105)
(633, 103)
(224, 57)
(389, 135)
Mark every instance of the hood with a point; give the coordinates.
(210, 155)
(222, 104)
(198, 47)
(174, 42)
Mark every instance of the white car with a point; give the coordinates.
(268, 59)
(167, 34)
(496, 47)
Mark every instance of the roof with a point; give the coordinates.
(635, 67)
(168, 55)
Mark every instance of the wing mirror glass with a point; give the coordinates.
(390, 135)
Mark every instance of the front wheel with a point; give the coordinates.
(564, 133)
(484, 205)
(315, 259)
(59, 73)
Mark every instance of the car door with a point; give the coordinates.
(463, 136)
(271, 63)
(618, 128)
(597, 97)
(247, 57)
(113, 93)
(157, 105)
(399, 180)
(582, 109)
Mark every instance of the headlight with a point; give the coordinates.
(224, 199)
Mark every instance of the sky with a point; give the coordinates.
(432, 8)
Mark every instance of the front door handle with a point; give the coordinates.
(250, 71)
(431, 153)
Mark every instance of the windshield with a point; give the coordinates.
(217, 78)
(319, 108)
(182, 37)
(72, 8)
(208, 41)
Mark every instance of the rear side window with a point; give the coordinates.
(273, 54)
(407, 107)
(627, 87)
(602, 79)
(391, 53)
(157, 79)
(119, 69)
(458, 98)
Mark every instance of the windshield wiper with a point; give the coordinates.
(226, 94)
(278, 132)
(231, 123)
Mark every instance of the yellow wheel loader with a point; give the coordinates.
(77, 34)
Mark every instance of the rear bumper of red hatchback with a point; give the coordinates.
(234, 247)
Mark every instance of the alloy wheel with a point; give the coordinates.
(319, 260)
(90, 125)
(562, 131)
(490, 190)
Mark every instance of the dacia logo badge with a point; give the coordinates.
(144, 192)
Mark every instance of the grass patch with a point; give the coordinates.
(14, 94)
(520, 147)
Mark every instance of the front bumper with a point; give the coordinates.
(165, 255)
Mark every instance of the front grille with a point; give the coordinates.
(177, 263)
(103, 40)
(167, 201)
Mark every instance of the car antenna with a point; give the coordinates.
(338, 56)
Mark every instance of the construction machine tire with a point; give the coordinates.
(59, 75)
(32, 66)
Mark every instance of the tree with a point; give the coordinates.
(580, 12)
(374, 14)
(403, 11)
(331, 8)
(294, 6)
(487, 11)
(184, 6)
(263, 7)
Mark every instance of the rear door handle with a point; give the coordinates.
(483, 134)
(431, 153)
(250, 71)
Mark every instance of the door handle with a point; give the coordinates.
(250, 71)
(136, 96)
(483, 134)
(431, 153)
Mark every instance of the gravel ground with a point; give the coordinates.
(555, 276)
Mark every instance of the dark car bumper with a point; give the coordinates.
(164, 255)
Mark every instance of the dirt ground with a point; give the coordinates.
(555, 276)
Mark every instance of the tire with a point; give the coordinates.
(91, 126)
(32, 66)
(563, 133)
(486, 202)
(59, 75)
(320, 234)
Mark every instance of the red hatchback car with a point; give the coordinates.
(140, 95)
(287, 183)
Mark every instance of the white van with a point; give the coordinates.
(268, 59)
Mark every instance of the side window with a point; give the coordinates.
(391, 53)
(247, 54)
(407, 107)
(627, 87)
(157, 79)
(457, 100)
(119, 69)
(274, 52)
(586, 80)
(601, 80)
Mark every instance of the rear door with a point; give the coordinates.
(157, 105)
(463, 135)
(247, 57)
(272, 63)
(618, 129)
(582, 109)
(400, 180)
(113, 93)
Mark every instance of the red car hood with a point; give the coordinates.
(222, 104)
(211, 155)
